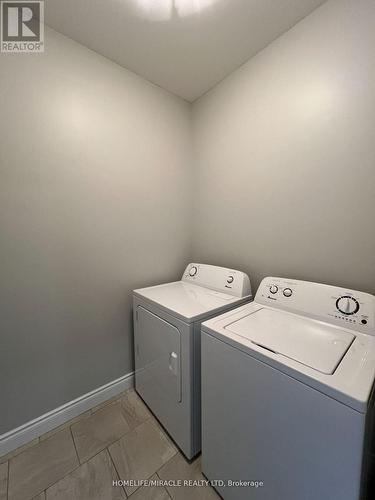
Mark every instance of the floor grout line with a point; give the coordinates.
(71, 472)
(2, 461)
(167, 462)
(80, 464)
(117, 472)
(8, 480)
(106, 448)
(139, 487)
(165, 487)
(65, 424)
(74, 444)
(83, 461)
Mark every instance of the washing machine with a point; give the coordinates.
(167, 322)
(287, 402)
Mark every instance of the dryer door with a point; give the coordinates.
(157, 355)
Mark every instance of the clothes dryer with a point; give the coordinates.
(167, 323)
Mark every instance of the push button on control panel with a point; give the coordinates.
(287, 292)
(193, 271)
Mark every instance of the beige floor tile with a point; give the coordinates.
(151, 492)
(179, 468)
(33, 470)
(19, 450)
(65, 425)
(133, 408)
(141, 452)
(95, 433)
(3, 480)
(108, 402)
(91, 481)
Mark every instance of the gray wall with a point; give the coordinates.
(285, 172)
(94, 201)
(95, 192)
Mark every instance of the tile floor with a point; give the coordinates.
(119, 439)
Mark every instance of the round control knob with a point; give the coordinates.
(230, 279)
(274, 289)
(347, 305)
(193, 271)
(287, 292)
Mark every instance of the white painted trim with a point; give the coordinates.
(35, 428)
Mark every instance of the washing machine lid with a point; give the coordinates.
(306, 336)
(187, 301)
(318, 345)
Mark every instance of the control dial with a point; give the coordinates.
(347, 305)
(193, 271)
(274, 288)
(230, 279)
(287, 292)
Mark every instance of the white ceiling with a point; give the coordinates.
(184, 46)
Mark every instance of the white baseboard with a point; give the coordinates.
(35, 428)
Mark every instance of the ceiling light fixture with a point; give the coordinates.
(163, 10)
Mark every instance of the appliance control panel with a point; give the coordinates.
(217, 278)
(344, 307)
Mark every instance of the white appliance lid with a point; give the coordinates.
(315, 344)
(186, 300)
